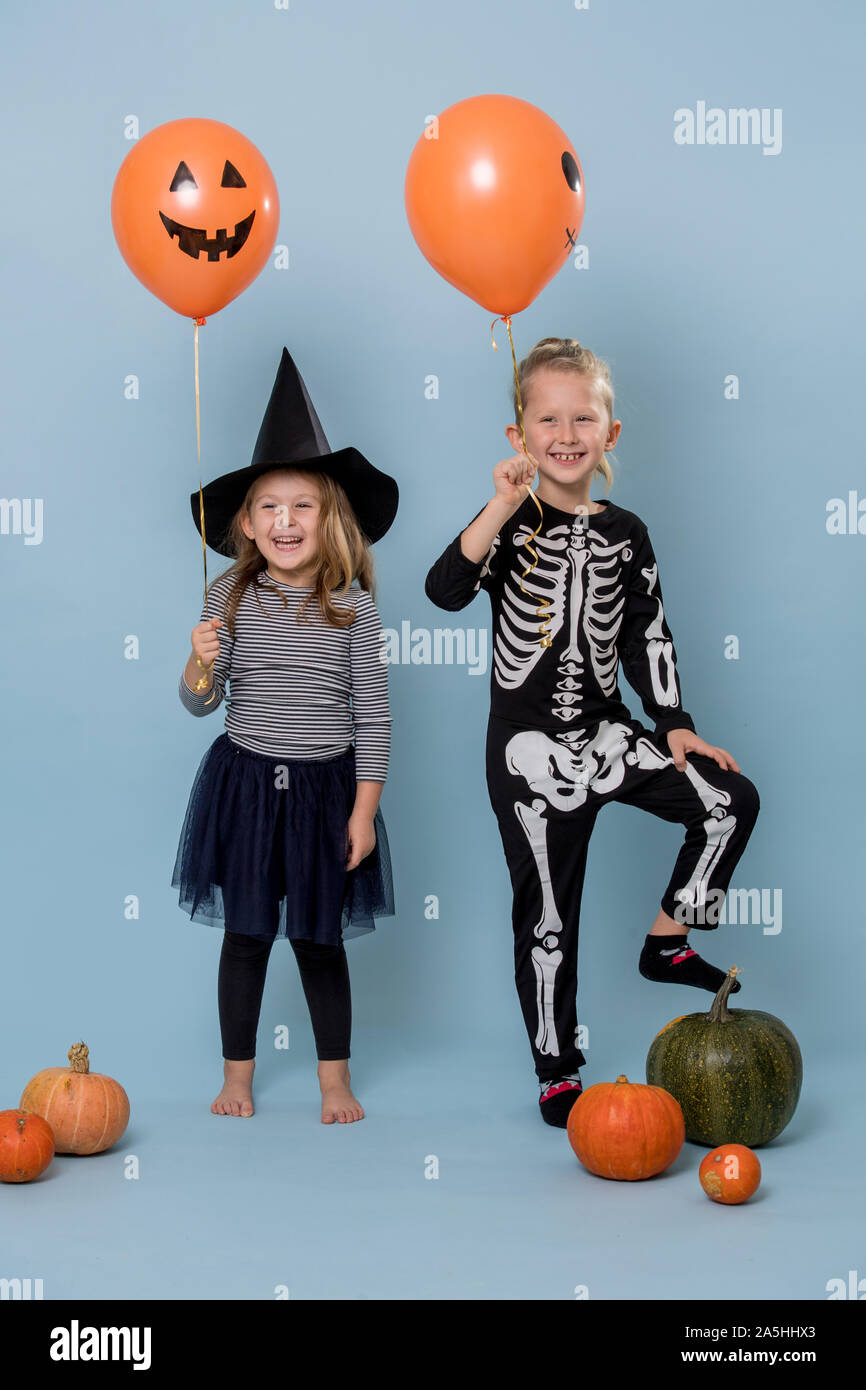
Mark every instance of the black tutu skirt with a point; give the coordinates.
(264, 845)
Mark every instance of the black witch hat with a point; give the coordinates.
(291, 436)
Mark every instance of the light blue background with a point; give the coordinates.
(704, 261)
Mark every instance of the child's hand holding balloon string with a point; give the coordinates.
(206, 649)
(513, 477)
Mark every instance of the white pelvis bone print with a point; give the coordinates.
(561, 770)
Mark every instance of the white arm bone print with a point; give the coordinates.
(487, 567)
(658, 649)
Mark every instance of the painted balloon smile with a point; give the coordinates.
(193, 240)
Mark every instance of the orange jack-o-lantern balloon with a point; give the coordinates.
(195, 213)
(494, 197)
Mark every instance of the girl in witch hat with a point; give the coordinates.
(283, 835)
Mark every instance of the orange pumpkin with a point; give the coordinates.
(625, 1130)
(730, 1174)
(26, 1146)
(88, 1112)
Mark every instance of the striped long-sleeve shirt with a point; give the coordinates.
(299, 689)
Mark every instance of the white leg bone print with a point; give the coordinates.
(535, 829)
(546, 963)
(718, 829)
(560, 775)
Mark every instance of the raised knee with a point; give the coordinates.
(747, 803)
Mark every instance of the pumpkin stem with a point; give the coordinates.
(718, 1009)
(78, 1057)
(623, 1078)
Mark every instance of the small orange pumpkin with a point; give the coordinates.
(87, 1111)
(625, 1130)
(730, 1174)
(26, 1146)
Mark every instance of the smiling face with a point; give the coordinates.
(195, 213)
(283, 521)
(194, 241)
(567, 432)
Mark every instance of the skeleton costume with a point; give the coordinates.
(561, 742)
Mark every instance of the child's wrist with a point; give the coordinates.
(507, 509)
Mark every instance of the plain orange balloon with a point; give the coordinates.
(195, 213)
(495, 199)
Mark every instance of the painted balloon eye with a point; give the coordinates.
(182, 178)
(571, 171)
(231, 178)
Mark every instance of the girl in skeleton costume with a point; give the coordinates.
(560, 741)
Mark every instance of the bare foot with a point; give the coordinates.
(338, 1102)
(236, 1096)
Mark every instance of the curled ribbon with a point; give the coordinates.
(541, 603)
(201, 683)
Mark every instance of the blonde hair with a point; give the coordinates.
(567, 355)
(342, 553)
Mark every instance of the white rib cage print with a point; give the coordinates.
(579, 572)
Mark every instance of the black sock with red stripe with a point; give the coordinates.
(558, 1096)
(671, 958)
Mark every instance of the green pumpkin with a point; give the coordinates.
(735, 1072)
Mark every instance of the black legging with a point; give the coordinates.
(324, 975)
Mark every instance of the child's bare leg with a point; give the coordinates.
(666, 926)
(338, 1102)
(236, 1096)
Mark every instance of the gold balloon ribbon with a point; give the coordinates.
(541, 603)
(201, 683)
